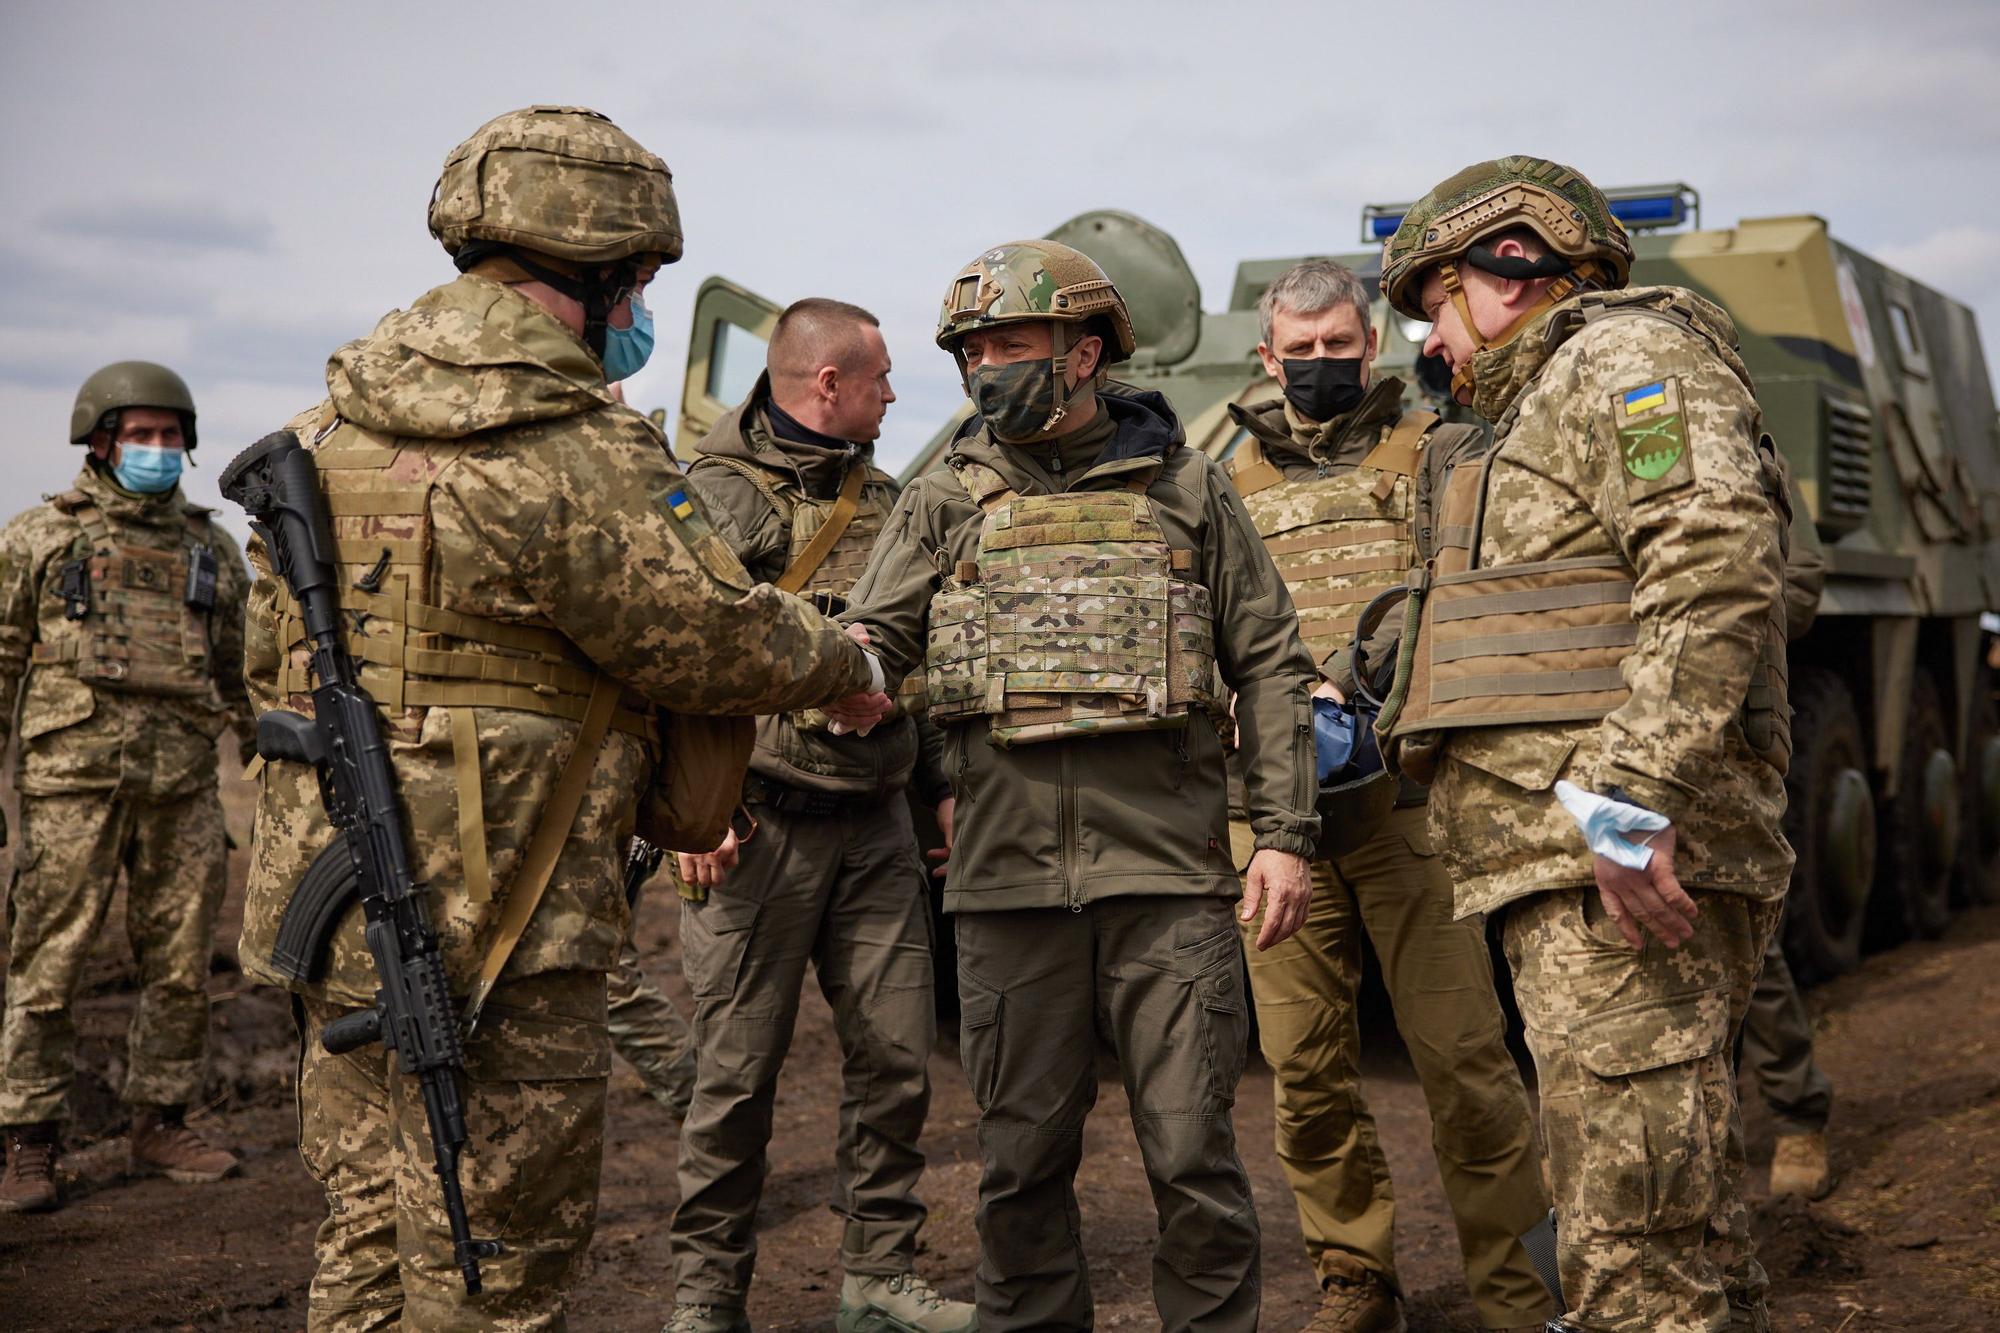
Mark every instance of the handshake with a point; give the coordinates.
(860, 711)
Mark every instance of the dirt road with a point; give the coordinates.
(1910, 1240)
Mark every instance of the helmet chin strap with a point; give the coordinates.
(1561, 289)
(595, 294)
(1058, 363)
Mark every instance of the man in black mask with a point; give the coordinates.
(1338, 478)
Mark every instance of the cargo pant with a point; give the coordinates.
(1439, 975)
(66, 868)
(1778, 1049)
(534, 1114)
(1639, 1112)
(1160, 980)
(846, 894)
(649, 1032)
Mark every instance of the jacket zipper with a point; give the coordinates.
(1066, 824)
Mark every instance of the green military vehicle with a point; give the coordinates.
(1875, 387)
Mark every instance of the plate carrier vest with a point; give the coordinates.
(1077, 619)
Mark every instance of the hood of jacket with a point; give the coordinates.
(1144, 433)
(1289, 439)
(470, 356)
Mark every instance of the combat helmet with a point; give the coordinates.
(1448, 226)
(564, 195)
(1022, 281)
(125, 384)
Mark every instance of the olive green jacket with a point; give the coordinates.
(889, 756)
(1071, 821)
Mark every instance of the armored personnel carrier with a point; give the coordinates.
(1877, 390)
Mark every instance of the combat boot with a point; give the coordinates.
(1355, 1300)
(29, 1183)
(161, 1141)
(903, 1303)
(1799, 1165)
(705, 1319)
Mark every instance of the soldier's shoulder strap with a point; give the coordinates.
(68, 502)
(807, 562)
(1250, 471)
(763, 479)
(988, 489)
(1400, 451)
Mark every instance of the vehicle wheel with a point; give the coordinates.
(1830, 822)
(1920, 826)
(1979, 828)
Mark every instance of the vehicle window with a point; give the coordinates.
(1234, 443)
(1905, 329)
(735, 360)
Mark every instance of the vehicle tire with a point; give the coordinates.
(1920, 826)
(1830, 822)
(1979, 830)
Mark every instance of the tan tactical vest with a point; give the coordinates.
(1339, 540)
(1543, 641)
(1077, 619)
(831, 540)
(141, 635)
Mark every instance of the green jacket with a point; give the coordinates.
(549, 506)
(78, 737)
(1071, 821)
(889, 756)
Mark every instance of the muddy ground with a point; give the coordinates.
(1911, 1239)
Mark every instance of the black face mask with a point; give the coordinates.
(1324, 387)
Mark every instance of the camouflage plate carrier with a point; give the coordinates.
(140, 614)
(1077, 619)
(1543, 641)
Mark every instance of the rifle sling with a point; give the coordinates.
(801, 570)
(538, 861)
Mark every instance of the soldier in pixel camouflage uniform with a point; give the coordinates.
(121, 643)
(525, 568)
(1070, 583)
(1341, 481)
(1597, 690)
(831, 876)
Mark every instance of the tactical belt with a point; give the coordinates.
(790, 800)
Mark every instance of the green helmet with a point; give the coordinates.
(130, 384)
(1565, 210)
(561, 181)
(1033, 280)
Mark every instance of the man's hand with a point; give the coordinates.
(1326, 689)
(1282, 884)
(1651, 896)
(860, 711)
(705, 870)
(946, 809)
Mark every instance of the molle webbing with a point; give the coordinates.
(830, 541)
(413, 654)
(1337, 540)
(140, 637)
(1076, 620)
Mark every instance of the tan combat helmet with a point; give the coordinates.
(1021, 281)
(125, 384)
(561, 195)
(1446, 228)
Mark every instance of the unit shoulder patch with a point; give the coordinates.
(684, 513)
(1652, 433)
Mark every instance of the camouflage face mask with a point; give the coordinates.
(1018, 401)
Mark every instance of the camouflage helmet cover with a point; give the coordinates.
(558, 180)
(1559, 205)
(1034, 280)
(130, 384)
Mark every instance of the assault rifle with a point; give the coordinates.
(274, 480)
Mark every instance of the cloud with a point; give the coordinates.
(163, 224)
(1962, 259)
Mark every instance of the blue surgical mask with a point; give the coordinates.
(147, 468)
(626, 350)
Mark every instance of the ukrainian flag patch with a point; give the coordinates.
(678, 506)
(1644, 398)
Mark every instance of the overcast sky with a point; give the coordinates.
(235, 190)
